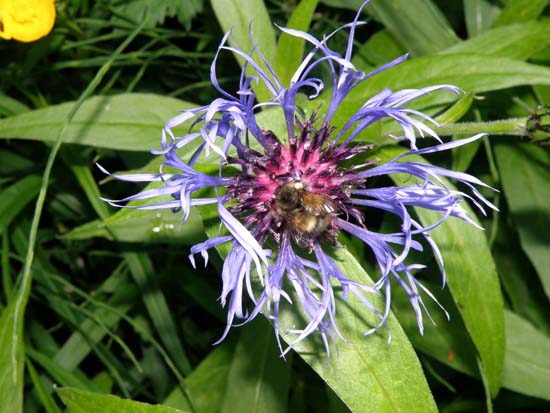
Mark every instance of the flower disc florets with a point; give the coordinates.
(304, 188)
(297, 187)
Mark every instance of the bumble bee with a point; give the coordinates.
(306, 214)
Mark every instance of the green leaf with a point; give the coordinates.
(517, 11)
(80, 167)
(130, 121)
(402, 17)
(12, 163)
(10, 106)
(132, 225)
(346, 4)
(379, 49)
(527, 365)
(390, 374)
(472, 73)
(143, 274)
(11, 359)
(445, 340)
(479, 15)
(290, 49)
(241, 15)
(521, 284)
(157, 11)
(206, 384)
(78, 401)
(457, 110)
(80, 343)
(47, 400)
(516, 41)
(525, 173)
(258, 380)
(472, 279)
(464, 155)
(61, 375)
(14, 198)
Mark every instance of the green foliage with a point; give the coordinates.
(480, 307)
(390, 374)
(79, 401)
(117, 320)
(157, 11)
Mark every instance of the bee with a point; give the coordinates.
(306, 214)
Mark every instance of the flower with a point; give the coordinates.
(26, 20)
(283, 199)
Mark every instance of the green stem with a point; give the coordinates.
(514, 126)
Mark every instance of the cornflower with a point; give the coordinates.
(281, 200)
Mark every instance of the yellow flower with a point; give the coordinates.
(26, 20)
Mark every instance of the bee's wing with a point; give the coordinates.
(317, 204)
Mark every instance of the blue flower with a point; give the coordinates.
(282, 200)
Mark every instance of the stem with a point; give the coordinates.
(514, 126)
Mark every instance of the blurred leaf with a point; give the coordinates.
(132, 225)
(346, 4)
(258, 379)
(10, 106)
(130, 121)
(78, 401)
(290, 49)
(11, 358)
(12, 163)
(206, 384)
(61, 376)
(80, 167)
(379, 49)
(157, 11)
(390, 374)
(44, 395)
(81, 342)
(525, 173)
(479, 15)
(457, 110)
(240, 16)
(519, 280)
(14, 198)
(472, 279)
(445, 340)
(402, 18)
(516, 41)
(517, 11)
(464, 155)
(527, 365)
(143, 274)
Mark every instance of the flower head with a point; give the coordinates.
(283, 199)
(26, 20)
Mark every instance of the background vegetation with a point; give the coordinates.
(99, 305)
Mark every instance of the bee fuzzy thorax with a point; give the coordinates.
(298, 187)
(305, 214)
